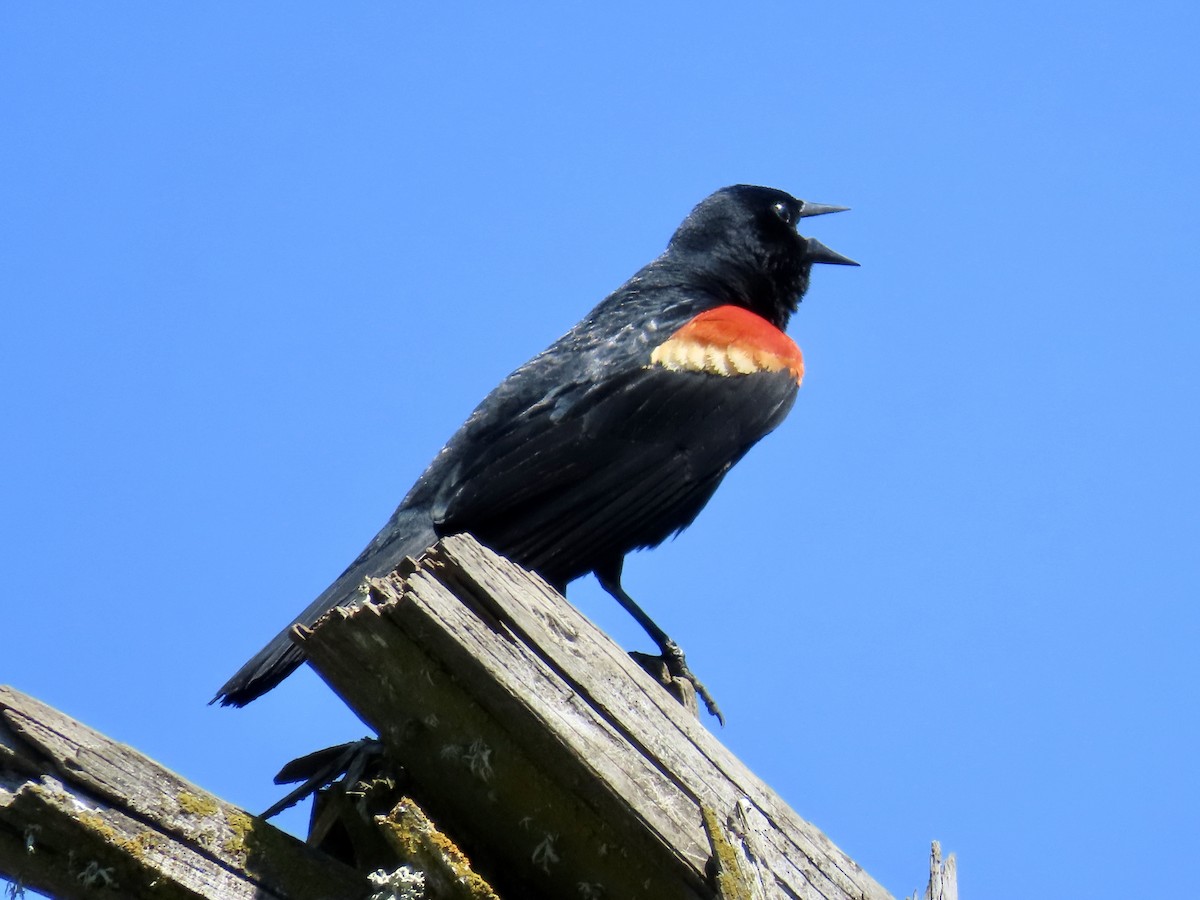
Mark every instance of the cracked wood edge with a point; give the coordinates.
(477, 721)
(525, 656)
(795, 854)
(80, 812)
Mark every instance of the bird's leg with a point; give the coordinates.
(610, 580)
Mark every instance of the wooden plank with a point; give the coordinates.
(84, 816)
(423, 672)
(591, 750)
(445, 873)
(943, 877)
(654, 723)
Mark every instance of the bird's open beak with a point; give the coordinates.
(818, 209)
(819, 253)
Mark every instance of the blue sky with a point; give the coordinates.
(259, 260)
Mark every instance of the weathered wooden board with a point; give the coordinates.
(943, 877)
(546, 752)
(84, 816)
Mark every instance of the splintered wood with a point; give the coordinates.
(84, 816)
(547, 754)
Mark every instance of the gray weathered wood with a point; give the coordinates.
(546, 752)
(943, 876)
(84, 816)
(446, 873)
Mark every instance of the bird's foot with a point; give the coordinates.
(677, 668)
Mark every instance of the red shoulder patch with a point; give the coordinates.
(730, 340)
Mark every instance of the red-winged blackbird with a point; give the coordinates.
(615, 436)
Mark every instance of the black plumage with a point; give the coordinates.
(612, 438)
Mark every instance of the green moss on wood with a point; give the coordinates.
(201, 807)
(241, 829)
(731, 882)
(421, 844)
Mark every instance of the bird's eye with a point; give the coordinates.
(784, 212)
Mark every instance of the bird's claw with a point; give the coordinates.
(678, 668)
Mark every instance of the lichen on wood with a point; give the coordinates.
(446, 868)
(84, 816)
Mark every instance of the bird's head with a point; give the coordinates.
(743, 244)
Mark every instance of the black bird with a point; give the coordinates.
(615, 436)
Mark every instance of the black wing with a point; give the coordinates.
(624, 464)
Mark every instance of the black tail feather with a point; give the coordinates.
(409, 533)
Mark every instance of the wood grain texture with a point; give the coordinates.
(546, 752)
(84, 816)
(943, 876)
